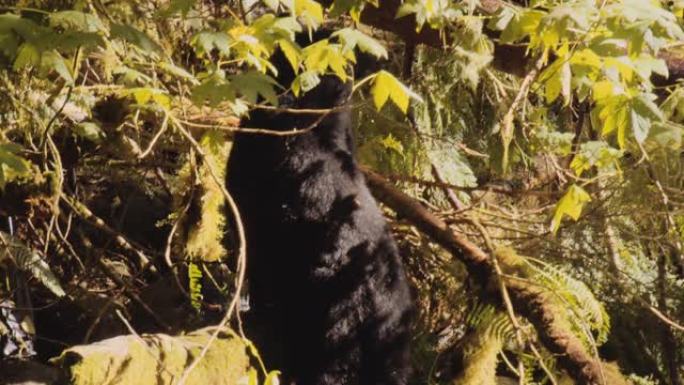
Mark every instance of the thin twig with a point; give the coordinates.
(84, 212)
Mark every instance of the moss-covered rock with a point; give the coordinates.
(157, 359)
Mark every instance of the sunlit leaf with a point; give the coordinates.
(570, 205)
(557, 79)
(386, 86)
(594, 154)
(352, 38)
(304, 82)
(291, 52)
(205, 42)
(391, 143)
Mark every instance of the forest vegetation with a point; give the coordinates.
(527, 153)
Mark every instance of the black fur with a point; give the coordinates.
(330, 300)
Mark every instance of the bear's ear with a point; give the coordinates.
(367, 64)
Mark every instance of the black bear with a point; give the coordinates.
(330, 300)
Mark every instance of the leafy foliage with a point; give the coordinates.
(100, 95)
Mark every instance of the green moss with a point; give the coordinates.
(157, 359)
(481, 357)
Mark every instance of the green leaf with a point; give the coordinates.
(352, 38)
(213, 90)
(131, 77)
(27, 56)
(614, 115)
(253, 84)
(75, 20)
(90, 131)
(207, 41)
(305, 82)
(391, 143)
(73, 40)
(12, 166)
(557, 79)
(52, 60)
(586, 57)
(666, 135)
(386, 86)
(570, 205)
(595, 154)
(149, 95)
(323, 55)
(643, 114)
(25, 28)
(353, 7)
(179, 72)
(673, 106)
(316, 56)
(522, 25)
(621, 123)
(604, 89)
(134, 36)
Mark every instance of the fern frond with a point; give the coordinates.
(195, 285)
(585, 313)
(30, 260)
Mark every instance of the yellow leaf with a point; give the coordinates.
(310, 9)
(586, 57)
(622, 126)
(386, 86)
(272, 378)
(316, 57)
(625, 69)
(291, 53)
(380, 90)
(609, 121)
(603, 89)
(558, 76)
(571, 205)
(337, 63)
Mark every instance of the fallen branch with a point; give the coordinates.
(530, 301)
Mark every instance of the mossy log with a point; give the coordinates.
(157, 359)
(532, 302)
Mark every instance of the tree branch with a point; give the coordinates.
(532, 302)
